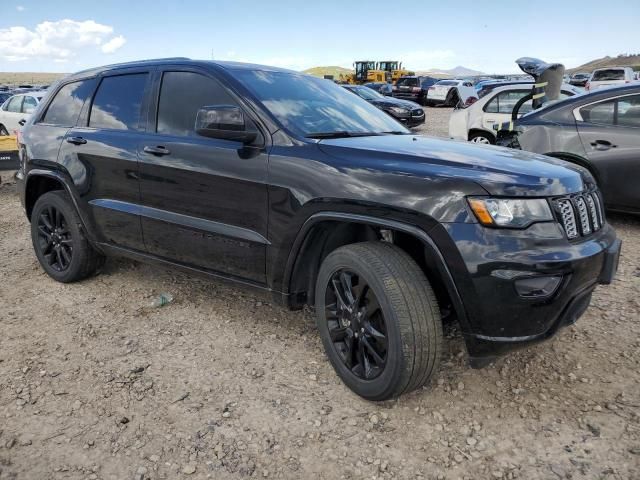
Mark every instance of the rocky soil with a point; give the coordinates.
(97, 384)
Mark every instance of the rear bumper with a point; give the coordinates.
(490, 266)
(9, 160)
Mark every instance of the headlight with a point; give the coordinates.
(510, 212)
(399, 110)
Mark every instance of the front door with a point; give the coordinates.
(610, 134)
(204, 203)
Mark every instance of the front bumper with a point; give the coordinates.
(487, 263)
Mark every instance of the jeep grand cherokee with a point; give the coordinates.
(292, 185)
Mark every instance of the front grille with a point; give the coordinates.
(580, 215)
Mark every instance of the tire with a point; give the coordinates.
(406, 314)
(3, 130)
(62, 248)
(482, 138)
(452, 100)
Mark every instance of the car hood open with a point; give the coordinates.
(500, 171)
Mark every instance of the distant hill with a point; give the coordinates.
(619, 61)
(332, 70)
(30, 78)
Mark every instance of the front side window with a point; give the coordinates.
(623, 111)
(312, 106)
(629, 111)
(14, 104)
(29, 105)
(118, 102)
(182, 94)
(65, 108)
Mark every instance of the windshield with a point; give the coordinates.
(609, 74)
(407, 82)
(307, 105)
(367, 93)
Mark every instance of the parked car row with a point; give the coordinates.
(16, 109)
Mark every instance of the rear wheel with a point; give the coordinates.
(59, 241)
(378, 319)
(483, 138)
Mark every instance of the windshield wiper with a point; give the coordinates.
(397, 132)
(340, 134)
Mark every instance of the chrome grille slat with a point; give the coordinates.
(581, 214)
(592, 212)
(584, 216)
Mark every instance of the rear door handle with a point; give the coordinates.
(602, 145)
(76, 140)
(157, 150)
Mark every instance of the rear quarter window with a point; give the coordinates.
(65, 107)
(407, 82)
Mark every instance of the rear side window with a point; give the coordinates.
(608, 75)
(505, 101)
(118, 102)
(29, 104)
(66, 106)
(182, 94)
(624, 112)
(14, 105)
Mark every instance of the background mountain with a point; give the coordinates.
(331, 70)
(623, 60)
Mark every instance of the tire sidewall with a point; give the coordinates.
(57, 200)
(483, 135)
(386, 382)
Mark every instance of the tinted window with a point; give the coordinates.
(66, 106)
(448, 83)
(407, 82)
(181, 95)
(601, 113)
(629, 111)
(118, 102)
(29, 104)
(607, 75)
(14, 104)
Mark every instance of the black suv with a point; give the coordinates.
(292, 185)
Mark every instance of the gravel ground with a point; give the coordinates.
(96, 384)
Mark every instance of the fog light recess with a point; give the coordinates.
(537, 287)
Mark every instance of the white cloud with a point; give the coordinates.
(20, 8)
(56, 40)
(114, 44)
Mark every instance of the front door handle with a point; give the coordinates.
(76, 140)
(157, 150)
(602, 145)
(22, 122)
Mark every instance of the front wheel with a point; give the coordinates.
(482, 138)
(378, 319)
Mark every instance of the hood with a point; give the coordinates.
(396, 102)
(500, 171)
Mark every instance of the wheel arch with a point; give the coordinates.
(324, 232)
(480, 130)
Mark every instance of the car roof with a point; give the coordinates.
(227, 65)
(30, 93)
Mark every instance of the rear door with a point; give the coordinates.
(204, 201)
(12, 114)
(103, 150)
(610, 133)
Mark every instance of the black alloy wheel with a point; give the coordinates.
(54, 239)
(356, 324)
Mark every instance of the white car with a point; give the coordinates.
(15, 111)
(609, 77)
(479, 121)
(443, 93)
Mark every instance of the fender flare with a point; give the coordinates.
(431, 250)
(60, 178)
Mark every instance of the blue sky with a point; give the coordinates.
(65, 36)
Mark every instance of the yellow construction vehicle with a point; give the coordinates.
(393, 70)
(365, 71)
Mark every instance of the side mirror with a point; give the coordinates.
(225, 122)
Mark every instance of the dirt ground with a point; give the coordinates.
(96, 384)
